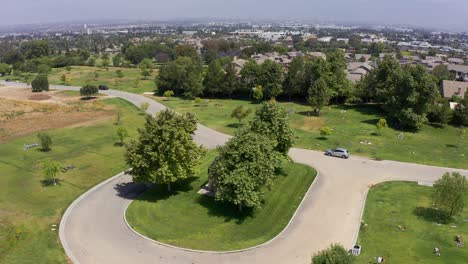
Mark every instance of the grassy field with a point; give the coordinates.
(396, 232)
(28, 209)
(191, 220)
(351, 125)
(132, 81)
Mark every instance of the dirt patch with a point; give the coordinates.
(310, 123)
(23, 117)
(39, 97)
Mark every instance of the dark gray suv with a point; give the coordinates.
(338, 152)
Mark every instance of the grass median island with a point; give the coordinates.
(28, 209)
(396, 232)
(187, 219)
(351, 124)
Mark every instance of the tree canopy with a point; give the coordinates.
(244, 168)
(164, 151)
(450, 192)
(272, 121)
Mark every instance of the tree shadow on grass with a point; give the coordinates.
(152, 193)
(228, 211)
(322, 138)
(49, 183)
(235, 125)
(88, 98)
(433, 215)
(450, 146)
(371, 121)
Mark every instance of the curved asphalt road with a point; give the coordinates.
(93, 229)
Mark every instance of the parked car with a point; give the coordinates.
(338, 152)
(103, 87)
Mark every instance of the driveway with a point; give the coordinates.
(93, 229)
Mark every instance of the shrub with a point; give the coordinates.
(40, 83)
(45, 141)
(88, 90)
(335, 254)
(168, 93)
(325, 131)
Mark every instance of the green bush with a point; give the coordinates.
(88, 90)
(335, 254)
(45, 141)
(40, 83)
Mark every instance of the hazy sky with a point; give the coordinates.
(450, 14)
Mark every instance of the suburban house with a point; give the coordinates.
(460, 72)
(356, 70)
(453, 88)
(239, 64)
(456, 61)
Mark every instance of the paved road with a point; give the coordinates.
(93, 229)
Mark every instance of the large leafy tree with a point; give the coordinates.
(244, 168)
(450, 192)
(271, 78)
(441, 72)
(249, 75)
(272, 121)
(295, 77)
(182, 76)
(164, 151)
(230, 82)
(340, 86)
(319, 95)
(214, 78)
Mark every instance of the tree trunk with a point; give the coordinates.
(240, 207)
(169, 187)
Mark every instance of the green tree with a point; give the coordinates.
(245, 166)
(319, 95)
(45, 141)
(441, 72)
(68, 68)
(381, 124)
(96, 75)
(146, 64)
(230, 82)
(5, 69)
(50, 170)
(335, 254)
(241, 112)
(183, 76)
(117, 60)
(325, 131)
(214, 78)
(272, 121)
(118, 117)
(164, 151)
(295, 77)
(88, 90)
(249, 75)
(258, 92)
(122, 133)
(441, 113)
(40, 83)
(43, 69)
(271, 78)
(449, 193)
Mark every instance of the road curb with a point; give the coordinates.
(230, 251)
(63, 221)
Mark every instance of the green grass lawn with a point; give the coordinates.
(393, 204)
(191, 220)
(82, 75)
(351, 125)
(28, 209)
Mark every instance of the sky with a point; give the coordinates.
(445, 14)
